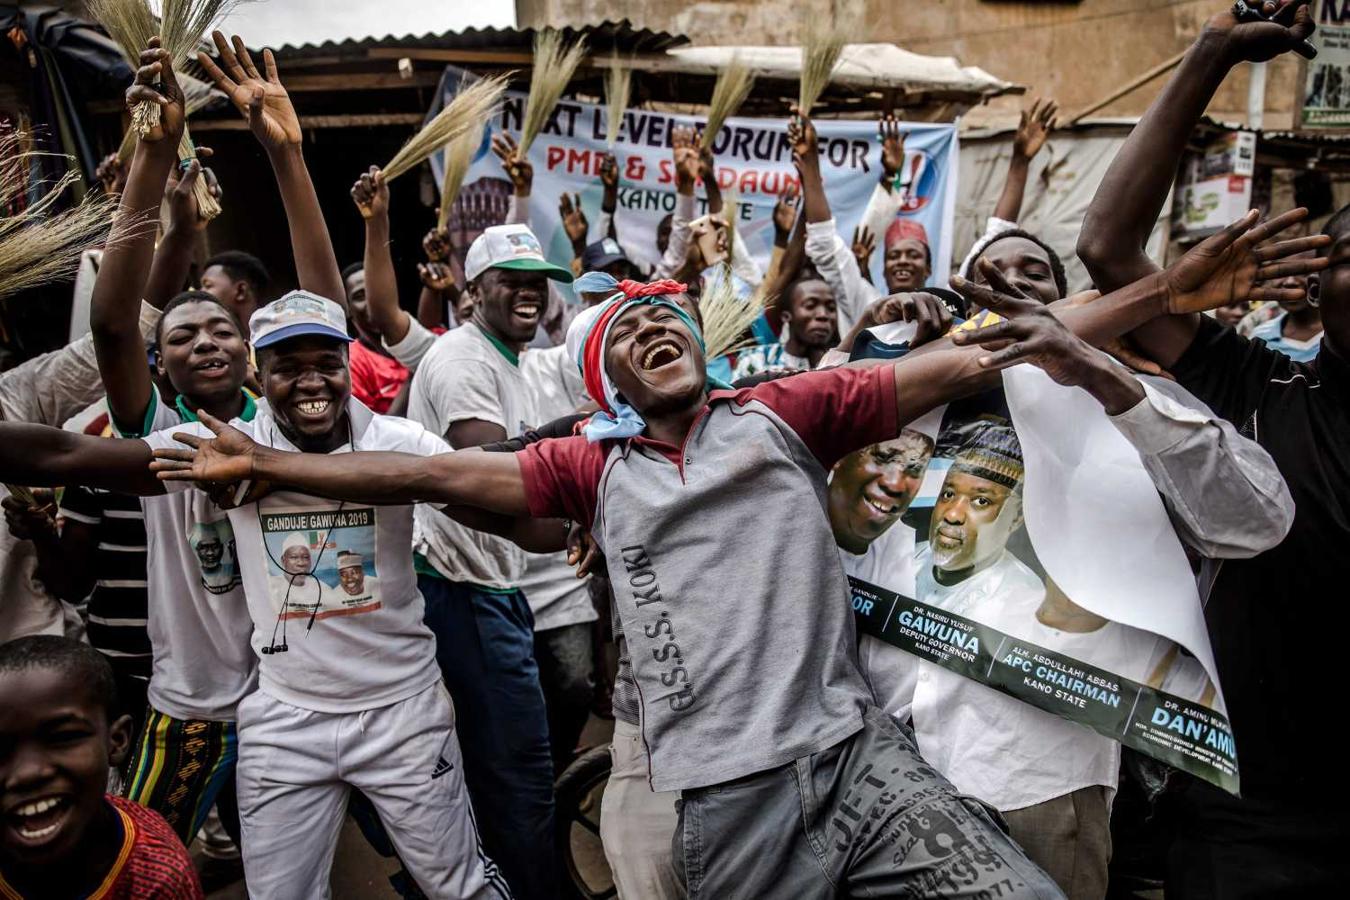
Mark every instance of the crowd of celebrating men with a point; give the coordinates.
(325, 557)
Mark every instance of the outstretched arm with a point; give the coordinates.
(40, 456)
(114, 317)
(490, 481)
(263, 101)
(1132, 193)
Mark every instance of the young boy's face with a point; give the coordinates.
(56, 744)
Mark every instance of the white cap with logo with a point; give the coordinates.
(298, 313)
(510, 247)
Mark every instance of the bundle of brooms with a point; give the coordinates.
(131, 23)
(36, 246)
(727, 316)
(458, 128)
(822, 42)
(732, 87)
(552, 72)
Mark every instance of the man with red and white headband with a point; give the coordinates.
(792, 782)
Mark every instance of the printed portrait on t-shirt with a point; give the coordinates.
(321, 563)
(213, 544)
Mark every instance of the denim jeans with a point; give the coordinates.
(864, 818)
(485, 647)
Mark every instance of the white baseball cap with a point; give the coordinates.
(510, 247)
(295, 314)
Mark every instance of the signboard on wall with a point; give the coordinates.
(1325, 103)
(1215, 187)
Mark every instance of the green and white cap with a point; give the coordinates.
(510, 247)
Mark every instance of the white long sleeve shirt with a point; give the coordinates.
(1225, 497)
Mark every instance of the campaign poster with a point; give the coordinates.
(212, 542)
(754, 164)
(321, 563)
(944, 569)
(1326, 85)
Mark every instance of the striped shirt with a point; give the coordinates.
(117, 606)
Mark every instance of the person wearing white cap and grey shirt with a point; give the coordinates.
(470, 385)
(347, 698)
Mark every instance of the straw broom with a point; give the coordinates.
(458, 158)
(618, 88)
(468, 111)
(553, 70)
(37, 248)
(727, 317)
(733, 86)
(131, 24)
(821, 46)
(181, 26)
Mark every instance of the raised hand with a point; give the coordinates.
(370, 193)
(183, 212)
(436, 245)
(1291, 24)
(573, 219)
(609, 172)
(1034, 127)
(261, 99)
(219, 465)
(437, 276)
(892, 147)
(517, 167)
(687, 159)
(864, 245)
(157, 83)
(1242, 263)
(802, 139)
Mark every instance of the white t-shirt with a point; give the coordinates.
(464, 376)
(345, 654)
(555, 594)
(1006, 752)
(195, 610)
(889, 563)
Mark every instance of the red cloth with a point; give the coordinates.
(834, 412)
(905, 229)
(376, 378)
(152, 863)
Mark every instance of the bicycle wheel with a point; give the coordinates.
(577, 795)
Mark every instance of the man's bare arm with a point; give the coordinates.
(262, 100)
(490, 481)
(41, 456)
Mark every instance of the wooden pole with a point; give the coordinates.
(1132, 85)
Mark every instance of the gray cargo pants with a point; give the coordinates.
(865, 818)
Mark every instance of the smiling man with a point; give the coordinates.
(871, 489)
(63, 836)
(470, 387)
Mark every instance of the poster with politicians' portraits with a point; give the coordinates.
(1036, 559)
(754, 163)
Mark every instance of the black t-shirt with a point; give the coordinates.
(1279, 621)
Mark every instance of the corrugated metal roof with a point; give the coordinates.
(602, 38)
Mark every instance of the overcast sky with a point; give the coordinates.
(277, 22)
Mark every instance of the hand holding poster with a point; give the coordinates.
(993, 546)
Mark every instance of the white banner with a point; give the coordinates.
(754, 163)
